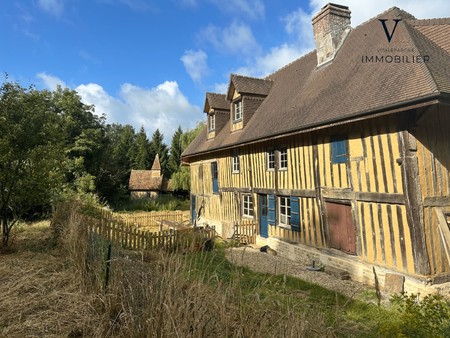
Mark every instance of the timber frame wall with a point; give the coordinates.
(395, 175)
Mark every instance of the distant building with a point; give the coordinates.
(148, 183)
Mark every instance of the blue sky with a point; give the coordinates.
(149, 62)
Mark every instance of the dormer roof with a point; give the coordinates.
(248, 85)
(216, 101)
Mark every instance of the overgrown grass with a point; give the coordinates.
(162, 203)
(59, 290)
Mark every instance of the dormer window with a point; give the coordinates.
(212, 122)
(237, 114)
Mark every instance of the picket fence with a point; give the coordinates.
(245, 233)
(153, 218)
(117, 230)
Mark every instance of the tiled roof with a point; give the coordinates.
(216, 101)
(303, 96)
(437, 30)
(143, 180)
(248, 85)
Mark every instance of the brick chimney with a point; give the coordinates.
(331, 26)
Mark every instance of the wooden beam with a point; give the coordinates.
(413, 201)
(439, 201)
(444, 231)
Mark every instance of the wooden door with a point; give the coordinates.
(341, 227)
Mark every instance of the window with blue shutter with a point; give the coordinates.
(295, 214)
(271, 212)
(215, 177)
(339, 152)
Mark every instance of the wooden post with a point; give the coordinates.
(414, 205)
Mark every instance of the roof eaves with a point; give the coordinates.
(376, 112)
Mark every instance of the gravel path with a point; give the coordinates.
(263, 262)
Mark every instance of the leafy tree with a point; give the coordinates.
(157, 146)
(119, 152)
(84, 139)
(175, 152)
(181, 179)
(31, 151)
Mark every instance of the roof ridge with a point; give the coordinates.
(249, 77)
(429, 22)
(211, 93)
(290, 63)
(402, 11)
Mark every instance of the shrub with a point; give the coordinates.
(412, 317)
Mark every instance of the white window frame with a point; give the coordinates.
(284, 211)
(235, 164)
(212, 122)
(237, 114)
(283, 158)
(271, 159)
(247, 206)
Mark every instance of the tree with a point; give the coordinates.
(157, 146)
(181, 179)
(31, 151)
(142, 158)
(175, 152)
(116, 162)
(84, 134)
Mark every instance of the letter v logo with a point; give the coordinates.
(389, 36)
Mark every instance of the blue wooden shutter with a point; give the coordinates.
(271, 214)
(295, 214)
(338, 150)
(215, 177)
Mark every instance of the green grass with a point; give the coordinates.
(346, 317)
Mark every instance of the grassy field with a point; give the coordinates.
(45, 292)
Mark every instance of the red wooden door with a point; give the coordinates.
(342, 227)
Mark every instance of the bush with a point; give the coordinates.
(412, 317)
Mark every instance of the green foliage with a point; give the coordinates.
(412, 317)
(181, 178)
(142, 158)
(31, 150)
(157, 146)
(174, 162)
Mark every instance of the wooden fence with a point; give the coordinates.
(117, 230)
(153, 218)
(245, 233)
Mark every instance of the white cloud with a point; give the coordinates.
(225, 39)
(54, 7)
(253, 9)
(50, 81)
(298, 25)
(195, 63)
(276, 58)
(220, 88)
(163, 107)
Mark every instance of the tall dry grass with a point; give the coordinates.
(58, 289)
(165, 294)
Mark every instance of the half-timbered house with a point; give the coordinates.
(343, 154)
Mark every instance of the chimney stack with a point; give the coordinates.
(331, 26)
